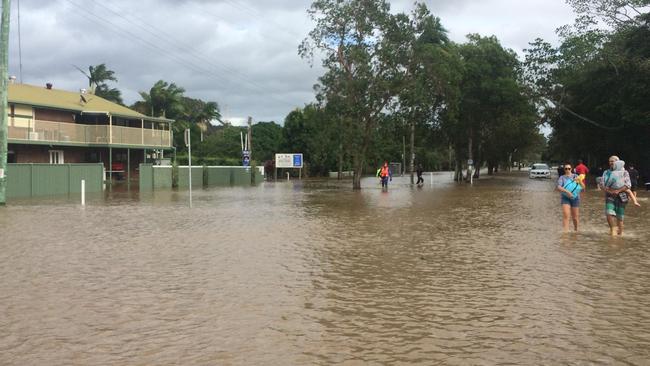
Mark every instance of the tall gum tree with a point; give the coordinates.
(361, 63)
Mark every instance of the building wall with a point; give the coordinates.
(21, 110)
(53, 115)
(41, 153)
(26, 154)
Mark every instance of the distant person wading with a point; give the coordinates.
(385, 175)
(419, 172)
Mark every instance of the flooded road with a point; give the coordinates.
(312, 273)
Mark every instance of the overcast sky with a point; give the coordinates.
(239, 53)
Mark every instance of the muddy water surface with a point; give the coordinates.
(311, 272)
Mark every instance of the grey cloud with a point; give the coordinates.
(240, 54)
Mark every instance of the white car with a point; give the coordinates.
(539, 171)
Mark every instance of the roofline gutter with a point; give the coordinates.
(95, 112)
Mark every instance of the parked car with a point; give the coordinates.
(539, 170)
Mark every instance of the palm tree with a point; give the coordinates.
(97, 78)
(163, 100)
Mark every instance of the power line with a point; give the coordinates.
(184, 61)
(131, 35)
(170, 38)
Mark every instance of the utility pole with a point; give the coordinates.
(412, 165)
(188, 143)
(403, 155)
(250, 138)
(4, 80)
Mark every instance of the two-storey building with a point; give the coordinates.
(53, 126)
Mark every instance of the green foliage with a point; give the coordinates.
(97, 78)
(396, 77)
(312, 131)
(163, 100)
(224, 143)
(268, 140)
(360, 41)
(593, 87)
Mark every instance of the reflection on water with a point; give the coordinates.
(314, 273)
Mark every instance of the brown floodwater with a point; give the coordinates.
(313, 273)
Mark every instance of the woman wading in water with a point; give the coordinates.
(569, 185)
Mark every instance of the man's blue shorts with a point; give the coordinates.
(571, 202)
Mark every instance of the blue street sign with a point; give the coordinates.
(297, 160)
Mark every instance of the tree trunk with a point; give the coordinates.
(360, 157)
(490, 166)
(449, 166)
(469, 153)
(412, 164)
(478, 162)
(340, 173)
(458, 170)
(477, 170)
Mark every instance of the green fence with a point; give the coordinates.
(146, 177)
(155, 177)
(231, 176)
(184, 178)
(34, 180)
(218, 176)
(162, 177)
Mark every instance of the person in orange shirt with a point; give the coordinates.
(385, 174)
(582, 171)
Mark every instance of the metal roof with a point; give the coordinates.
(71, 101)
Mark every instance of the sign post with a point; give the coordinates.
(188, 143)
(470, 170)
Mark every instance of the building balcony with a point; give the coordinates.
(22, 130)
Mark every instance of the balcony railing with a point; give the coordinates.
(48, 131)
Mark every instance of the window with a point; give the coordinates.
(11, 157)
(56, 157)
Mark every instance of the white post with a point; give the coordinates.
(431, 179)
(188, 142)
(471, 174)
(288, 177)
(83, 192)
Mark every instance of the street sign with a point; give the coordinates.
(186, 137)
(470, 162)
(297, 160)
(246, 158)
(288, 161)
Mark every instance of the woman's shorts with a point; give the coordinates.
(571, 202)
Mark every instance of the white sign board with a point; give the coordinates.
(288, 160)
